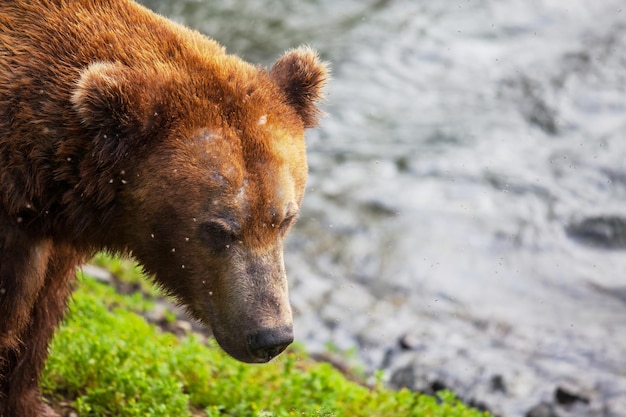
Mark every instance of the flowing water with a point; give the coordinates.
(467, 190)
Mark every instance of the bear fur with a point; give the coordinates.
(123, 131)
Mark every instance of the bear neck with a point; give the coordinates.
(57, 188)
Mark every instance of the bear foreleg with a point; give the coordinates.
(39, 290)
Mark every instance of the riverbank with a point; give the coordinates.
(106, 360)
(443, 357)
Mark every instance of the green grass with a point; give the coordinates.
(109, 361)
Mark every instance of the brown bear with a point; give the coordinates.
(123, 131)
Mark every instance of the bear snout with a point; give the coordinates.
(269, 343)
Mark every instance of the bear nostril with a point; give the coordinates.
(268, 343)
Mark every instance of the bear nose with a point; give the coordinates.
(268, 343)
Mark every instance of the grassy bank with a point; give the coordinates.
(106, 360)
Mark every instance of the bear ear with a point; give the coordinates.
(102, 97)
(302, 77)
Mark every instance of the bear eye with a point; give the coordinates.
(217, 234)
(287, 223)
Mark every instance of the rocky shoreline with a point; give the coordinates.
(517, 381)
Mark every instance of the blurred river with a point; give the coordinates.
(463, 224)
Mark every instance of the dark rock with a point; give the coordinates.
(566, 396)
(409, 342)
(437, 385)
(403, 378)
(542, 410)
(497, 384)
(479, 405)
(413, 379)
(402, 164)
(608, 232)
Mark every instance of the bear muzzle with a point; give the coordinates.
(269, 343)
(258, 346)
(247, 305)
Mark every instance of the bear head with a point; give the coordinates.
(209, 166)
